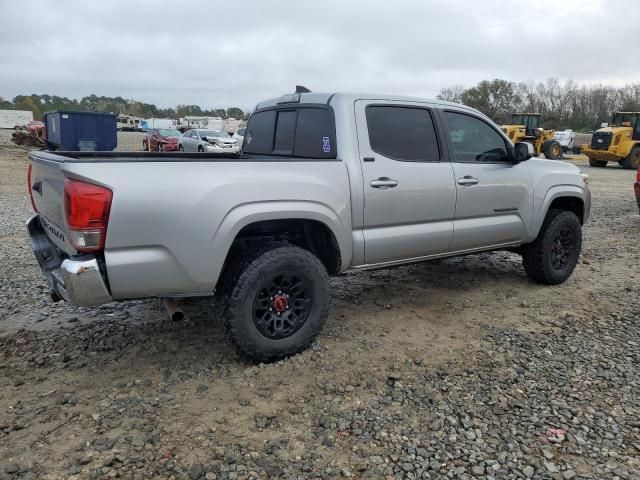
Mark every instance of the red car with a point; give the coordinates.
(159, 140)
(636, 187)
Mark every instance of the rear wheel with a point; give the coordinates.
(181, 148)
(553, 255)
(552, 149)
(632, 162)
(597, 163)
(160, 147)
(276, 300)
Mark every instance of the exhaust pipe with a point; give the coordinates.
(173, 309)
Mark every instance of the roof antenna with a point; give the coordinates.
(302, 89)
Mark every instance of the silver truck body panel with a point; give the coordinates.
(174, 218)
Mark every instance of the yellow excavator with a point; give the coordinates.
(524, 127)
(619, 142)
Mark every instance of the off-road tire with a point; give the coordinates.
(537, 256)
(244, 277)
(552, 149)
(632, 162)
(597, 163)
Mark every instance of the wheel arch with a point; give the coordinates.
(310, 225)
(563, 197)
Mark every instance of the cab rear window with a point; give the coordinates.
(306, 132)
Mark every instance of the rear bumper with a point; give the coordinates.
(636, 188)
(78, 280)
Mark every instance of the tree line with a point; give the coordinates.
(562, 104)
(39, 104)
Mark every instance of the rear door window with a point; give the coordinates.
(303, 131)
(402, 133)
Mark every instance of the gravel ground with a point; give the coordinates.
(460, 368)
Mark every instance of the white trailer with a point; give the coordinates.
(211, 123)
(164, 123)
(231, 125)
(15, 118)
(128, 123)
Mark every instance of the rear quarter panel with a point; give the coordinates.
(172, 223)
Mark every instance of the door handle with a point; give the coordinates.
(468, 180)
(384, 182)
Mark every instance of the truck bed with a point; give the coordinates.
(173, 216)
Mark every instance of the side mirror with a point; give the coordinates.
(522, 151)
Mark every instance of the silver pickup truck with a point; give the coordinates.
(326, 183)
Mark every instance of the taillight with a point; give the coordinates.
(87, 209)
(638, 175)
(30, 186)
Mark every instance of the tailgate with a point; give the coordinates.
(47, 190)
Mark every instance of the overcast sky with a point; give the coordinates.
(235, 53)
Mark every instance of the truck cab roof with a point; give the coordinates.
(345, 97)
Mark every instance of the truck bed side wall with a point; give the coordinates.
(172, 223)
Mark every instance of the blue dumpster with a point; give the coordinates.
(76, 131)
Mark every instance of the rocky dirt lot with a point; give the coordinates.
(460, 368)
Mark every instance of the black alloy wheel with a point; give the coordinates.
(282, 305)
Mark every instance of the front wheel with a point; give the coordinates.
(632, 162)
(201, 149)
(553, 255)
(552, 149)
(181, 148)
(276, 300)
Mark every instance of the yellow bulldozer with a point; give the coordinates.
(524, 127)
(618, 142)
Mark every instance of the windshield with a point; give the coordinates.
(620, 118)
(212, 133)
(170, 133)
(530, 121)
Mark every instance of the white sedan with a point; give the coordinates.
(211, 141)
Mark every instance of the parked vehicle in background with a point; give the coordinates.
(161, 140)
(238, 135)
(165, 123)
(525, 127)
(617, 142)
(231, 125)
(565, 138)
(15, 118)
(402, 180)
(208, 123)
(128, 123)
(211, 141)
(31, 135)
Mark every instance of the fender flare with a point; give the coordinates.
(245, 214)
(557, 191)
